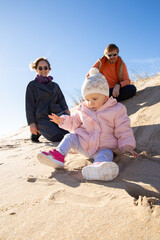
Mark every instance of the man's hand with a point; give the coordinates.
(54, 118)
(116, 90)
(33, 128)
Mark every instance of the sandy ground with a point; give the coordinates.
(40, 203)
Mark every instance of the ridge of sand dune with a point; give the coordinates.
(144, 114)
(39, 203)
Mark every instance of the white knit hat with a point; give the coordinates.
(95, 83)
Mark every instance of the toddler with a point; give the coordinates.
(99, 127)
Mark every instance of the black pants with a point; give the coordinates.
(50, 130)
(125, 92)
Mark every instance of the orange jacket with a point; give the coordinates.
(114, 73)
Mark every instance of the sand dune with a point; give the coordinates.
(40, 203)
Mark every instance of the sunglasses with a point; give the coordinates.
(110, 55)
(41, 68)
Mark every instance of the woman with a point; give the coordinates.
(42, 98)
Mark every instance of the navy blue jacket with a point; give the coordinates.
(42, 100)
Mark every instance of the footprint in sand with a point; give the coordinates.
(63, 196)
(46, 181)
(31, 179)
(8, 146)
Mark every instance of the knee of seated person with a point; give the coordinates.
(57, 138)
(133, 89)
(70, 135)
(127, 92)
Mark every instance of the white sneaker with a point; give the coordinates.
(103, 171)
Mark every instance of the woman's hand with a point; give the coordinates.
(33, 128)
(54, 118)
(116, 90)
(130, 150)
(67, 111)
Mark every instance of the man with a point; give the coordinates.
(115, 71)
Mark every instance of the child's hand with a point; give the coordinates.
(54, 118)
(130, 150)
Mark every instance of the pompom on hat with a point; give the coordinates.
(95, 83)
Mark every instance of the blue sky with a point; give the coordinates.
(72, 35)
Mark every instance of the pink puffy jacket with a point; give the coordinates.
(108, 127)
